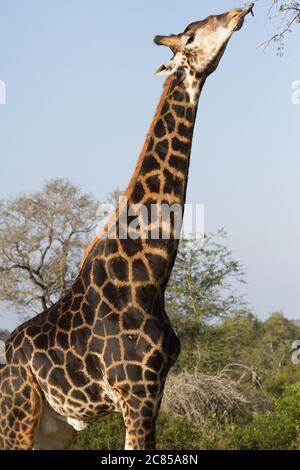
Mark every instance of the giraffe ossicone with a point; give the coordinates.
(107, 345)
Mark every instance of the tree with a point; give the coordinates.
(114, 196)
(42, 237)
(278, 335)
(288, 14)
(3, 334)
(237, 339)
(201, 286)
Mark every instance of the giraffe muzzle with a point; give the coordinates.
(248, 9)
(238, 15)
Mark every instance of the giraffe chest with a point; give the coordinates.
(79, 405)
(75, 385)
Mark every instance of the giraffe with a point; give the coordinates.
(107, 345)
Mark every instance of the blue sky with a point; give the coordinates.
(81, 94)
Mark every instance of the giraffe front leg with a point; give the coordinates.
(20, 406)
(140, 434)
(140, 421)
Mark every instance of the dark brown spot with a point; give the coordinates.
(149, 164)
(138, 193)
(118, 269)
(112, 324)
(162, 149)
(132, 247)
(178, 163)
(170, 121)
(134, 372)
(157, 264)
(159, 129)
(99, 272)
(179, 110)
(139, 271)
(178, 95)
(180, 146)
(153, 183)
(185, 131)
(132, 319)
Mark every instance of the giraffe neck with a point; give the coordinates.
(160, 177)
(162, 171)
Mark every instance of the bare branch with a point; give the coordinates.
(289, 13)
(42, 238)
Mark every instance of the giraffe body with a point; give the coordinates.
(107, 345)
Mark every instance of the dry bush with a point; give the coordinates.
(195, 396)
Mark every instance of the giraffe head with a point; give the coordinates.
(200, 47)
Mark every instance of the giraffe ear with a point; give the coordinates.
(166, 69)
(173, 41)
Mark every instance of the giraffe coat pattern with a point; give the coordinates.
(107, 345)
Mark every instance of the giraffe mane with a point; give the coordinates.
(127, 193)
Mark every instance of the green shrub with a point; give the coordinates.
(108, 433)
(274, 430)
(176, 433)
(277, 383)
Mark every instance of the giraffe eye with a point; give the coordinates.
(190, 39)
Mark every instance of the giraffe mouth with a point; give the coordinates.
(248, 9)
(239, 15)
